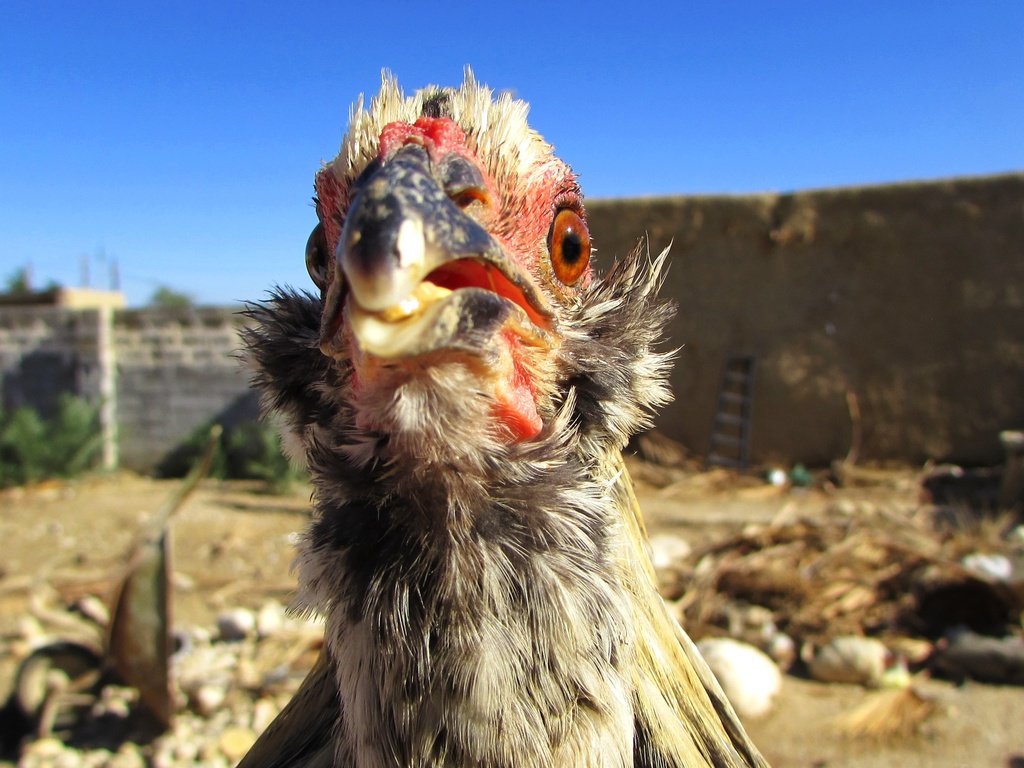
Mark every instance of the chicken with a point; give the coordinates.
(461, 390)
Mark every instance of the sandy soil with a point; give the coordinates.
(232, 547)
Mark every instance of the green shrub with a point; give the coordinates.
(34, 448)
(254, 452)
(247, 451)
(180, 461)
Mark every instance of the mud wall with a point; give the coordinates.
(910, 296)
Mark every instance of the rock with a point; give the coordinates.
(750, 679)
(93, 609)
(96, 758)
(208, 698)
(263, 713)
(206, 667)
(747, 622)
(128, 756)
(182, 582)
(965, 654)
(914, 650)
(236, 624)
(849, 659)
(992, 567)
(235, 742)
(49, 753)
(668, 551)
(270, 620)
(782, 650)
(845, 507)
(248, 675)
(186, 751)
(115, 701)
(43, 748)
(187, 637)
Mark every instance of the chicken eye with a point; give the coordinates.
(569, 246)
(316, 256)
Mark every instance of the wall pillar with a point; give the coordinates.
(107, 360)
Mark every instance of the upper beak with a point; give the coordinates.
(401, 227)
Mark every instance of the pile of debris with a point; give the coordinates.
(226, 685)
(857, 569)
(859, 592)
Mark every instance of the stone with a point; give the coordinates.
(94, 609)
(208, 698)
(236, 624)
(235, 742)
(849, 659)
(749, 678)
(270, 620)
(263, 713)
(989, 566)
(668, 551)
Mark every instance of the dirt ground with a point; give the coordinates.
(232, 547)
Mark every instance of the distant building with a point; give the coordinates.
(69, 298)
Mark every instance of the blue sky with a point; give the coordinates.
(180, 140)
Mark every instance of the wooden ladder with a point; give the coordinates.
(730, 433)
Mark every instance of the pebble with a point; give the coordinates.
(94, 609)
(207, 699)
(235, 742)
(270, 620)
(992, 567)
(668, 551)
(782, 649)
(263, 713)
(749, 678)
(115, 701)
(849, 659)
(205, 664)
(236, 624)
(128, 756)
(47, 747)
(248, 675)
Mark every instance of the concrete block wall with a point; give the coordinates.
(45, 352)
(174, 370)
(177, 370)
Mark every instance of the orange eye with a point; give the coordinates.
(569, 246)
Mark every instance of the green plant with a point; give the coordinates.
(34, 448)
(247, 451)
(179, 461)
(166, 297)
(254, 450)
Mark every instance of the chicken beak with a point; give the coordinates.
(400, 227)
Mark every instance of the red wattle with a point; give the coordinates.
(516, 407)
